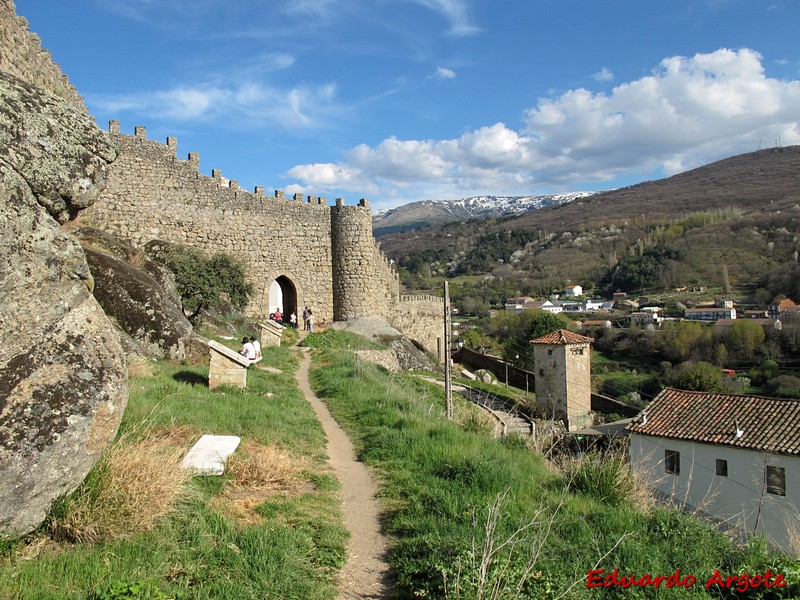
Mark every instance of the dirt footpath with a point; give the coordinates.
(366, 573)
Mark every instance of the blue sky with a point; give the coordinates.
(405, 100)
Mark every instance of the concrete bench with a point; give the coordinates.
(226, 366)
(271, 333)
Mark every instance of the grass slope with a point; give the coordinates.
(475, 517)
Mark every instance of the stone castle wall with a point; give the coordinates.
(421, 317)
(22, 55)
(151, 194)
(328, 253)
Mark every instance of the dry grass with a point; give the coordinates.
(472, 418)
(255, 473)
(137, 482)
(139, 366)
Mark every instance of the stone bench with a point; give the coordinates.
(271, 333)
(226, 366)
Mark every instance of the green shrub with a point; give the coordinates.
(204, 282)
(605, 477)
(135, 590)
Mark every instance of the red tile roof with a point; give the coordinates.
(766, 424)
(784, 304)
(562, 337)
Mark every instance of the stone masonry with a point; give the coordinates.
(327, 253)
(22, 55)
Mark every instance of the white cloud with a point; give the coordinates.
(687, 112)
(455, 11)
(310, 8)
(444, 73)
(250, 103)
(604, 74)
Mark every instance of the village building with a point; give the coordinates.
(779, 307)
(755, 314)
(734, 458)
(767, 324)
(573, 290)
(645, 317)
(709, 313)
(518, 303)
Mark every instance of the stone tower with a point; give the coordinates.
(356, 292)
(563, 377)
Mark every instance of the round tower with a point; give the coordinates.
(353, 256)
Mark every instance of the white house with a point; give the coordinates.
(645, 317)
(547, 306)
(734, 458)
(590, 305)
(573, 290)
(709, 314)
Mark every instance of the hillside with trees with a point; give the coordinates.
(732, 224)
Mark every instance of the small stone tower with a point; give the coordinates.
(563, 377)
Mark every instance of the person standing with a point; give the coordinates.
(305, 317)
(293, 321)
(310, 321)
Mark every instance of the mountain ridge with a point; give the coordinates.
(430, 212)
(765, 180)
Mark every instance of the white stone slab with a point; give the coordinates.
(209, 454)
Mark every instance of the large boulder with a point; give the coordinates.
(140, 306)
(139, 294)
(410, 355)
(63, 379)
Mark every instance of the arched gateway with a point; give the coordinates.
(282, 294)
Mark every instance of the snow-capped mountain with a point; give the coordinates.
(427, 212)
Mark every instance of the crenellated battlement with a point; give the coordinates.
(138, 142)
(328, 252)
(422, 298)
(22, 55)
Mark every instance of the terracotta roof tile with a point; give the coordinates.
(766, 424)
(562, 337)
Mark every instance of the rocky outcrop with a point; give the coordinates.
(139, 306)
(139, 294)
(410, 357)
(63, 381)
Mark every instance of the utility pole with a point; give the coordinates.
(448, 384)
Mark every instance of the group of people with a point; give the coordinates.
(251, 348)
(279, 317)
(308, 318)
